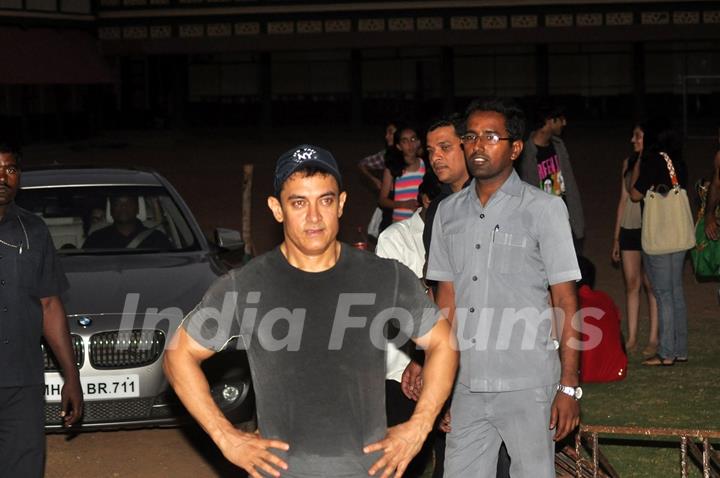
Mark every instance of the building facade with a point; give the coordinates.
(268, 62)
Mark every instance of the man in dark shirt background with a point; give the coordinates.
(545, 163)
(126, 231)
(31, 281)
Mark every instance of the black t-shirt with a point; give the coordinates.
(549, 173)
(25, 278)
(315, 344)
(110, 238)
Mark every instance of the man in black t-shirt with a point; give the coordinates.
(126, 231)
(311, 314)
(545, 163)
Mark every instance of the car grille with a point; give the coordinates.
(105, 411)
(126, 348)
(51, 364)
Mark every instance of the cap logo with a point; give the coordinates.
(304, 154)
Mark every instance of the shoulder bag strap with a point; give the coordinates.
(671, 169)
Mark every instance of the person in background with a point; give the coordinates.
(713, 199)
(403, 174)
(664, 270)
(627, 250)
(402, 241)
(372, 166)
(602, 358)
(545, 163)
(126, 231)
(447, 160)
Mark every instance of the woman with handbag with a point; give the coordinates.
(659, 178)
(627, 250)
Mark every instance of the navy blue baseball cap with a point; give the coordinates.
(302, 156)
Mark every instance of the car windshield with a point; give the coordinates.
(110, 219)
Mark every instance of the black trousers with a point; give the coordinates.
(22, 431)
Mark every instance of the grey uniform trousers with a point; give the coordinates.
(481, 421)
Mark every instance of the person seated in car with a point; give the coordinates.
(126, 231)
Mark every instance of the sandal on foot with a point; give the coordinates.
(659, 361)
(650, 351)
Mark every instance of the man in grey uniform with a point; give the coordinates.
(497, 246)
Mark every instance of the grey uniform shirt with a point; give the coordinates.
(501, 259)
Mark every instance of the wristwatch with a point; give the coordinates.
(574, 392)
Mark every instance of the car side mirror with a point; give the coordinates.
(229, 239)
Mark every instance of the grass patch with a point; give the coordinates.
(682, 396)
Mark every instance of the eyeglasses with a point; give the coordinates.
(486, 138)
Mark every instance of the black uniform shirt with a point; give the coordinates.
(25, 278)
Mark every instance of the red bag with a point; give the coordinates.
(602, 358)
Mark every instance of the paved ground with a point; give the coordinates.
(206, 168)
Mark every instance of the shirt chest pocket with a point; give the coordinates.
(509, 252)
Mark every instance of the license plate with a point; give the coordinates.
(97, 387)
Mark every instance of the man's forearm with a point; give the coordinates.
(569, 353)
(188, 380)
(566, 301)
(445, 300)
(438, 377)
(57, 336)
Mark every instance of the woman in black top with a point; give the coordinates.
(664, 270)
(627, 250)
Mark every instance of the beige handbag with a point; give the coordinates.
(667, 223)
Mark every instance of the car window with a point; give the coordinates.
(110, 219)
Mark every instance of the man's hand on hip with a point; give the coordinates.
(250, 452)
(564, 415)
(400, 446)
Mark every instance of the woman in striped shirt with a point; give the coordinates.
(403, 174)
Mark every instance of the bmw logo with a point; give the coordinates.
(85, 321)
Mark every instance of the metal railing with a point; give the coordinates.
(706, 458)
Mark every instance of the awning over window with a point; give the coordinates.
(44, 56)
